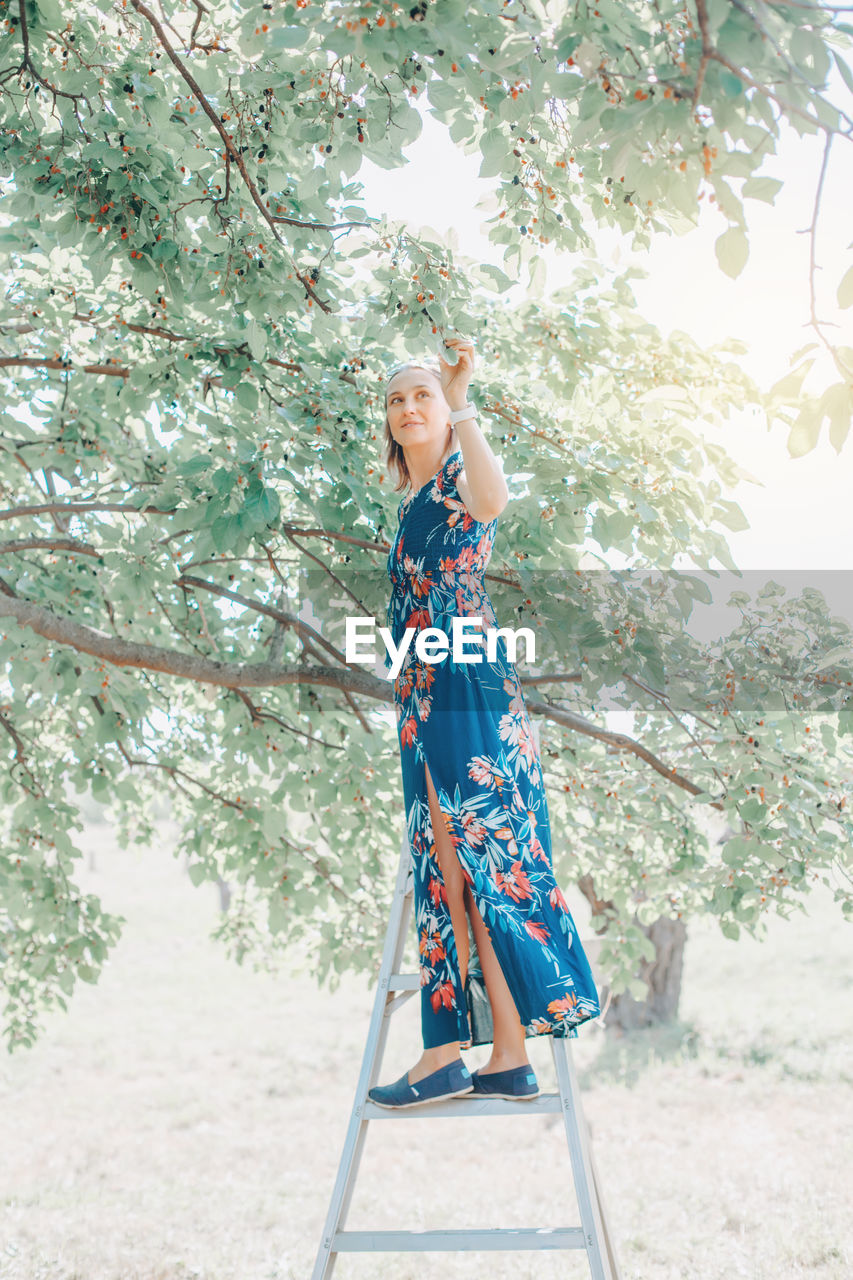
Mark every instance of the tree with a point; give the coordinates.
(198, 314)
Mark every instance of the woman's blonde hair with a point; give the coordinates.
(395, 459)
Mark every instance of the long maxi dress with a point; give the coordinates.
(467, 722)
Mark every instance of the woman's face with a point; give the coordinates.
(416, 408)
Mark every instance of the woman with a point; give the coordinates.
(476, 815)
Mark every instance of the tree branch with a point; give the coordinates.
(49, 544)
(36, 362)
(75, 508)
(124, 653)
(620, 741)
(20, 758)
(230, 149)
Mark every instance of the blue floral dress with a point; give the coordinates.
(468, 723)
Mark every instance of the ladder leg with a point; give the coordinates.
(602, 1209)
(377, 1035)
(598, 1246)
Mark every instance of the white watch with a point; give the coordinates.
(459, 415)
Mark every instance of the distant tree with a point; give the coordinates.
(198, 313)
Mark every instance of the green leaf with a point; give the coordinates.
(288, 37)
(836, 403)
(765, 189)
(844, 69)
(736, 851)
(494, 148)
(195, 465)
(844, 293)
(732, 84)
(732, 250)
(246, 395)
(499, 278)
(257, 340)
(731, 515)
(804, 434)
(226, 531)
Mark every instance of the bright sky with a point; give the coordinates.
(801, 517)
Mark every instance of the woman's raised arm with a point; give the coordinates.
(481, 484)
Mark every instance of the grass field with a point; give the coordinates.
(185, 1118)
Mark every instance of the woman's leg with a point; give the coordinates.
(508, 1048)
(454, 885)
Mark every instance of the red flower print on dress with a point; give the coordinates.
(424, 705)
(505, 834)
(419, 619)
(480, 770)
(515, 729)
(556, 899)
(424, 675)
(458, 511)
(537, 931)
(434, 948)
(526, 745)
(443, 996)
(420, 579)
(566, 1004)
(403, 683)
(465, 560)
(436, 891)
(409, 732)
(514, 883)
(469, 599)
(474, 829)
(537, 851)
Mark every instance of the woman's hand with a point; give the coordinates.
(456, 378)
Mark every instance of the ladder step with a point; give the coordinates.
(495, 1239)
(468, 1105)
(404, 982)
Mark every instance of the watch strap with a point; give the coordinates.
(459, 415)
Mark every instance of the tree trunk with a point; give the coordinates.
(662, 975)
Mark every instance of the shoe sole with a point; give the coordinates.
(421, 1102)
(512, 1097)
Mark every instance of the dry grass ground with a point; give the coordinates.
(185, 1118)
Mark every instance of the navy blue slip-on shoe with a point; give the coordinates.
(451, 1081)
(517, 1082)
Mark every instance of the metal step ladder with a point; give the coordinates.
(394, 988)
